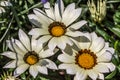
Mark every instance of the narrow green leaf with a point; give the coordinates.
(30, 1)
(111, 75)
(104, 34)
(43, 78)
(115, 30)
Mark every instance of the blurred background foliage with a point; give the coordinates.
(16, 17)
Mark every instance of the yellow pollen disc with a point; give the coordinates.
(57, 31)
(31, 59)
(86, 61)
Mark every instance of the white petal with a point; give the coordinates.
(61, 6)
(78, 24)
(81, 43)
(24, 39)
(80, 75)
(73, 34)
(2, 10)
(106, 49)
(71, 71)
(97, 45)
(101, 76)
(44, 39)
(64, 66)
(111, 66)
(9, 54)
(92, 74)
(67, 40)
(51, 64)
(52, 43)
(33, 70)
(74, 15)
(11, 64)
(87, 35)
(94, 35)
(20, 45)
(106, 57)
(33, 44)
(46, 53)
(34, 19)
(69, 66)
(49, 10)
(68, 10)
(61, 43)
(42, 69)
(103, 51)
(84, 45)
(42, 17)
(37, 32)
(5, 3)
(9, 44)
(21, 69)
(101, 68)
(58, 12)
(66, 58)
(111, 50)
(18, 50)
(39, 47)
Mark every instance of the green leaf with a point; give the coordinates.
(115, 30)
(116, 17)
(111, 75)
(115, 60)
(118, 67)
(113, 1)
(30, 1)
(43, 78)
(103, 33)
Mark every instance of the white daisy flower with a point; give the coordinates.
(92, 58)
(57, 26)
(26, 54)
(4, 3)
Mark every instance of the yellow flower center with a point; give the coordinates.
(57, 29)
(31, 58)
(86, 59)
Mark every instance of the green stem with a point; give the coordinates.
(16, 17)
(7, 30)
(113, 1)
(115, 47)
(78, 3)
(23, 12)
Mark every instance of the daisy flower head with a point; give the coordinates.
(28, 54)
(91, 58)
(57, 26)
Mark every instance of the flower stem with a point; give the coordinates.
(16, 17)
(7, 30)
(25, 11)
